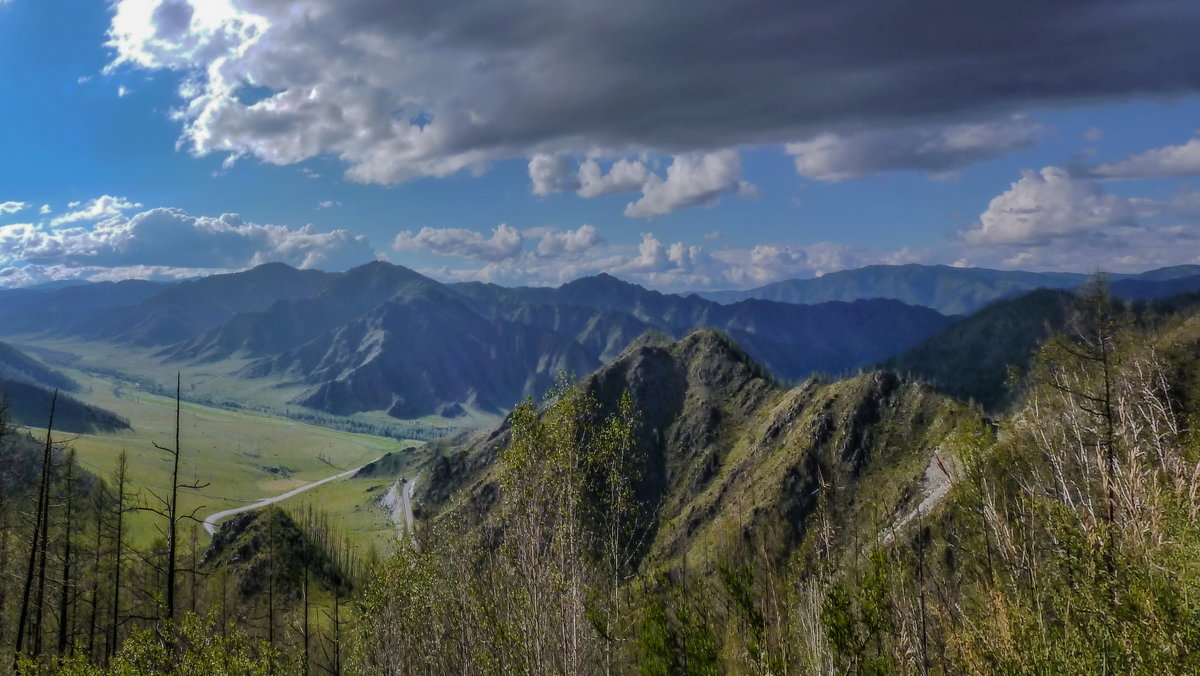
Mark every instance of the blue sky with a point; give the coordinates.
(154, 138)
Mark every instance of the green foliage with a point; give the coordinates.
(196, 646)
(675, 630)
(858, 619)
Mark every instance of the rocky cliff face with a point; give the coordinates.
(726, 456)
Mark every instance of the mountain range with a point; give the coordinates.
(381, 337)
(953, 290)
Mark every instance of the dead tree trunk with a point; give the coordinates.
(42, 504)
(64, 600)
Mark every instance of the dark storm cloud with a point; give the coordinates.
(430, 87)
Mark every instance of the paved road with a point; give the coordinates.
(210, 522)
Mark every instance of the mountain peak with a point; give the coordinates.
(601, 280)
(271, 266)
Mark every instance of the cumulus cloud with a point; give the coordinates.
(568, 243)
(832, 157)
(11, 207)
(400, 90)
(696, 179)
(171, 238)
(551, 173)
(1165, 162)
(1051, 220)
(505, 242)
(682, 266)
(692, 180)
(171, 18)
(105, 206)
(28, 275)
(328, 204)
(1047, 204)
(651, 256)
(624, 176)
(1116, 249)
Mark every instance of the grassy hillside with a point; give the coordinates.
(724, 455)
(870, 525)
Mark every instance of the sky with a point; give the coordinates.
(705, 145)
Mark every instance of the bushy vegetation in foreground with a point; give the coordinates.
(1067, 544)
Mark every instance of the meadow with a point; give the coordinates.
(242, 455)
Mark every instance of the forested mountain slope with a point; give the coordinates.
(725, 455)
(712, 522)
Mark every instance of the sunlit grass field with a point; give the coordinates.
(241, 456)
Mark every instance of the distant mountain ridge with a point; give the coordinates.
(953, 290)
(381, 337)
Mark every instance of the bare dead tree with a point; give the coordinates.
(121, 505)
(5, 523)
(40, 523)
(64, 624)
(168, 508)
(100, 499)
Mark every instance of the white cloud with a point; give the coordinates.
(122, 90)
(11, 207)
(1116, 249)
(105, 206)
(696, 179)
(568, 243)
(680, 266)
(941, 150)
(505, 242)
(551, 173)
(170, 238)
(624, 176)
(44, 210)
(692, 180)
(1048, 204)
(29, 275)
(651, 256)
(327, 204)
(1165, 162)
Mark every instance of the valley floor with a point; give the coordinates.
(243, 455)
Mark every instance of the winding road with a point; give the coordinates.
(210, 522)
